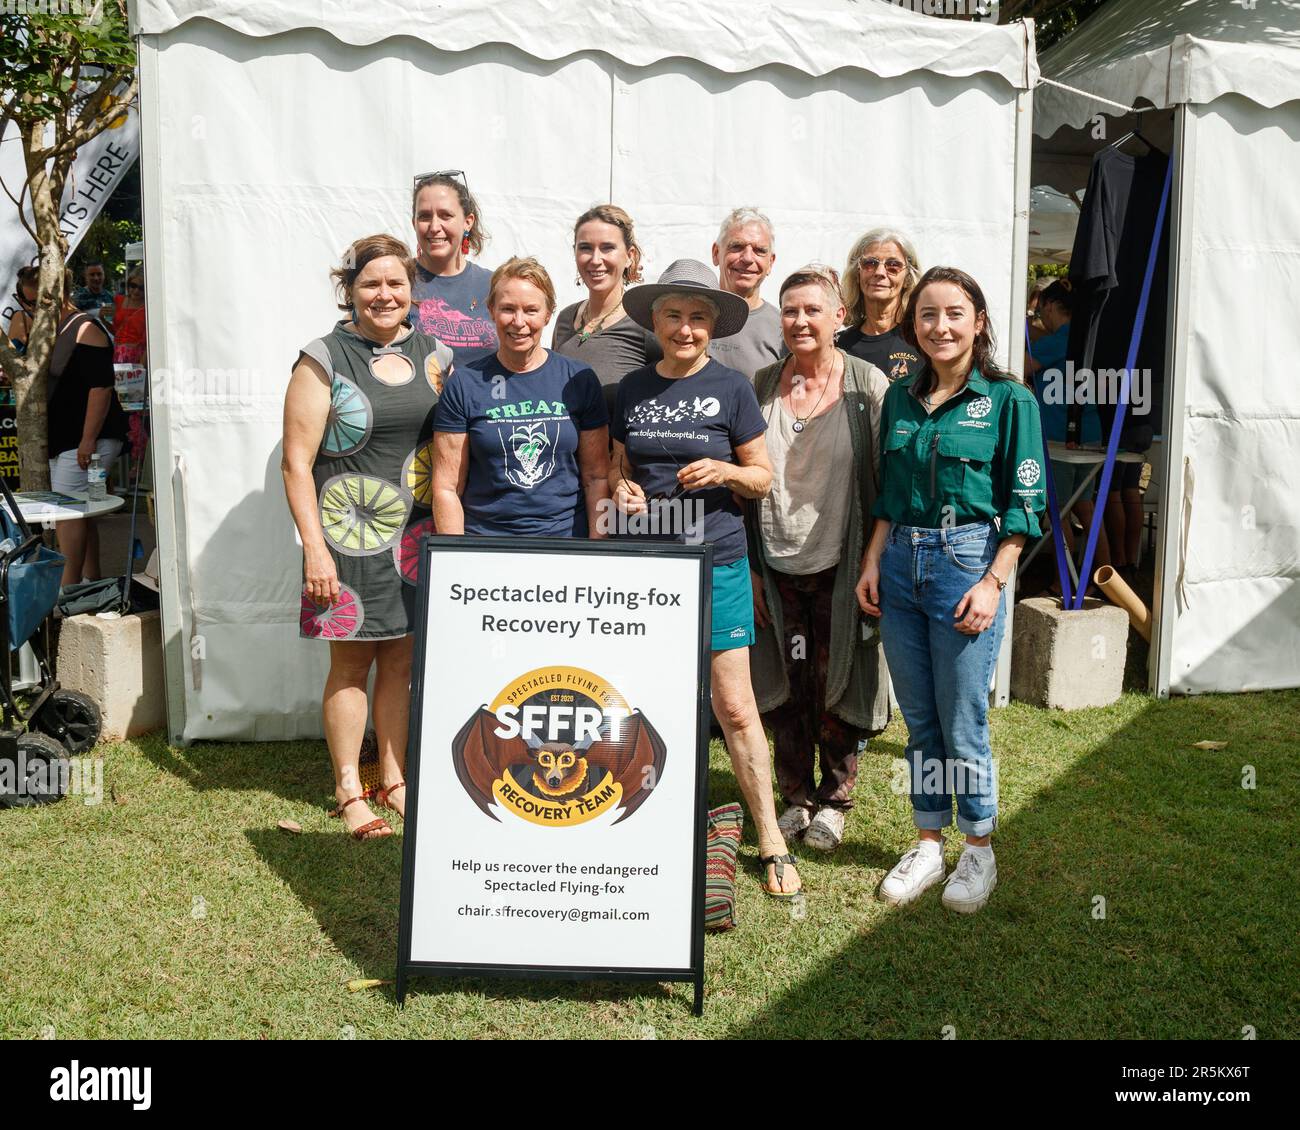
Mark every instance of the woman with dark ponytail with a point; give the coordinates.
(961, 488)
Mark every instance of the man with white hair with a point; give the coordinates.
(744, 254)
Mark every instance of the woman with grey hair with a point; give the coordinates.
(821, 685)
(881, 272)
(688, 445)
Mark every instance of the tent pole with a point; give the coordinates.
(171, 568)
(1164, 612)
(1014, 335)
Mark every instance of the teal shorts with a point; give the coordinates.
(733, 606)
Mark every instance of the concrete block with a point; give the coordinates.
(118, 662)
(1068, 660)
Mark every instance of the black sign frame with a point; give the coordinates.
(694, 973)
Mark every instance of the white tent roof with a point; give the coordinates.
(1172, 51)
(812, 36)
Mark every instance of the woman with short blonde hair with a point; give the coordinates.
(522, 447)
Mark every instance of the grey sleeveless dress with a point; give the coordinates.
(374, 483)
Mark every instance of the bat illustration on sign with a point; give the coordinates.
(555, 770)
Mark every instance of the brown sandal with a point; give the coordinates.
(383, 794)
(371, 830)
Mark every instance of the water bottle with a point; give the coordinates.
(95, 476)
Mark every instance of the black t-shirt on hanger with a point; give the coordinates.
(1107, 267)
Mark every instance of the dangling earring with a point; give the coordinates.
(464, 244)
(577, 280)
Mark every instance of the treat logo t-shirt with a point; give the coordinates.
(523, 439)
(666, 424)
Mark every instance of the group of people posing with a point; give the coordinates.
(864, 471)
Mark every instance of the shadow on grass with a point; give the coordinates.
(295, 771)
(1146, 893)
(353, 891)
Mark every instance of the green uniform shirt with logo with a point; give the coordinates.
(977, 458)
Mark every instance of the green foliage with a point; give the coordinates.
(105, 241)
(46, 55)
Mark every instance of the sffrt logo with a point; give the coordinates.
(558, 746)
(1028, 472)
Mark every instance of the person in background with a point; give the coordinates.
(128, 321)
(1034, 308)
(522, 443)
(449, 300)
(1045, 360)
(881, 272)
(688, 448)
(598, 332)
(84, 419)
(745, 253)
(94, 296)
(937, 563)
(358, 420)
(820, 685)
(20, 323)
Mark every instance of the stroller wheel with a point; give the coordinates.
(38, 775)
(71, 718)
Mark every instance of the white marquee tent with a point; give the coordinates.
(1228, 576)
(274, 134)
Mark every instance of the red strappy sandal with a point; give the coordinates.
(383, 795)
(371, 830)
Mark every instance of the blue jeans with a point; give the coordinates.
(941, 677)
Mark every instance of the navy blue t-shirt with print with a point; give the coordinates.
(523, 443)
(666, 424)
(453, 308)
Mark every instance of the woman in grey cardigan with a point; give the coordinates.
(817, 667)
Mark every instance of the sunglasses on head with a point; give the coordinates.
(892, 266)
(454, 174)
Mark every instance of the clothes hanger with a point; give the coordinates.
(1136, 133)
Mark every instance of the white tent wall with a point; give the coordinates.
(267, 153)
(1227, 607)
(1236, 584)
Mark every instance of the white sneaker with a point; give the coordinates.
(914, 874)
(971, 883)
(793, 821)
(826, 830)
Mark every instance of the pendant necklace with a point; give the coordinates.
(600, 325)
(801, 421)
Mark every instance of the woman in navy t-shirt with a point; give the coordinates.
(688, 439)
(522, 436)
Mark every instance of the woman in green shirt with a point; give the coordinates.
(961, 489)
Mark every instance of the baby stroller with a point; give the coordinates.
(36, 739)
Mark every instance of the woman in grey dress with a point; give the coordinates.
(357, 462)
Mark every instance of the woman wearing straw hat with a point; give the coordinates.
(688, 443)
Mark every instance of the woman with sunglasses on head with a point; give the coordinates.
(598, 331)
(358, 420)
(688, 444)
(449, 299)
(522, 443)
(878, 279)
(962, 487)
(821, 686)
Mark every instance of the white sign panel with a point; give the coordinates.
(558, 752)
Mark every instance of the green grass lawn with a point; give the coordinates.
(177, 909)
